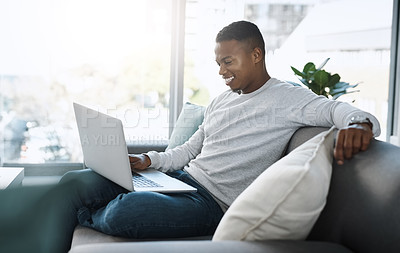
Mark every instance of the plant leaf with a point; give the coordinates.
(321, 77)
(309, 67)
(297, 72)
(316, 88)
(323, 64)
(335, 91)
(334, 97)
(340, 85)
(294, 83)
(333, 80)
(305, 82)
(322, 82)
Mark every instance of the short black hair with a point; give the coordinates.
(242, 31)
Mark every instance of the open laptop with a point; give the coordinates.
(105, 151)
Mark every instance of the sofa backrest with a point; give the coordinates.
(302, 135)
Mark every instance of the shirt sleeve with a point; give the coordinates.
(178, 157)
(320, 111)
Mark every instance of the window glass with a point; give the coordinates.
(113, 56)
(297, 32)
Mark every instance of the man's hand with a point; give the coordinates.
(351, 140)
(139, 162)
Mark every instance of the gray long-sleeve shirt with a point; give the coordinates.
(242, 135)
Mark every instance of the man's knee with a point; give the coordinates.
(86, 176)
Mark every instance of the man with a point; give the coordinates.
(245, 130)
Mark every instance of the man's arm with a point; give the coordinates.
(171, 159)
(356, 127)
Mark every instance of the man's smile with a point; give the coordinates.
(228, 80)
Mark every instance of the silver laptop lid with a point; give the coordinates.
(103, 145)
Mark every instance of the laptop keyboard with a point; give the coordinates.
(141, 181)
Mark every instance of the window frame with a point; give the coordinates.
(177, 61)
(393, 124)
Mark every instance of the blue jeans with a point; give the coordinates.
(103, 205)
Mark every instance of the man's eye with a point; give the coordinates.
(228, 62)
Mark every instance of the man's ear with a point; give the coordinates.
(257, 55)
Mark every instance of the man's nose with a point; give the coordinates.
(222, 70)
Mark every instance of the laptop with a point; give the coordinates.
(105, 151)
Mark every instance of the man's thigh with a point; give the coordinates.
(155, 215)
(91, 189)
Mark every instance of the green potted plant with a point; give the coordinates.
(322, 82)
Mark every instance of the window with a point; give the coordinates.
(357, 43)
(116, 56)
(113, 56)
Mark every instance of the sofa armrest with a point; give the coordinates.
(363, 204)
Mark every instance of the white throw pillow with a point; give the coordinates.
(286, 199)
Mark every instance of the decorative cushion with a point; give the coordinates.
(286, 199)
(187, 124)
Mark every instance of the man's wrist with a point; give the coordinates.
(361, 120)
(147, 160)
(364, 125)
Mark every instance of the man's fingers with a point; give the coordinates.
(357, 142)
(133, 158)
(135, 162)
(348, 145)
(350, 141)
(137, 165)
(338, 153)
(139, 162)
(366, 140)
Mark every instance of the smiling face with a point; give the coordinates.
(239, 65)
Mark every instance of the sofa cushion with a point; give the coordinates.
(187, 124)
(84, 235)
(286, 199)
